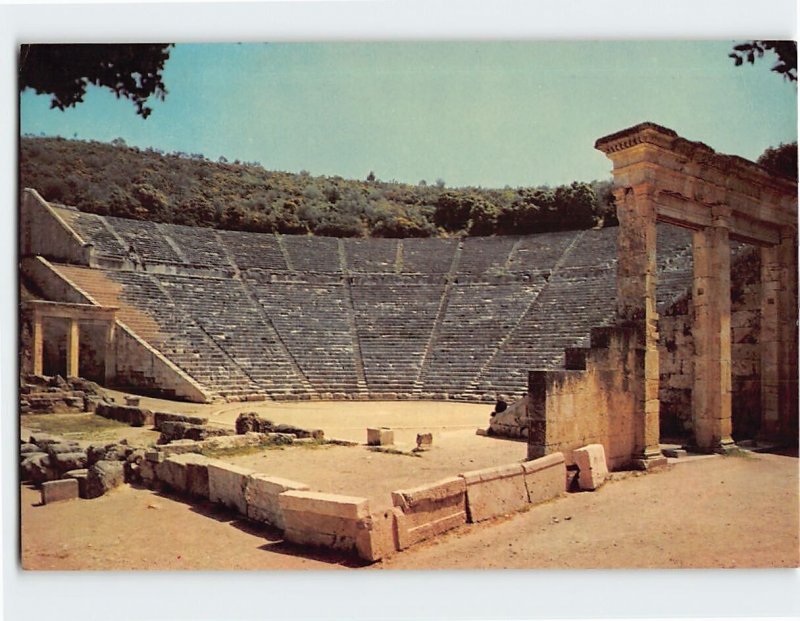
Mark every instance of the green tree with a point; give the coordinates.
(64, 71)
(786, 52)
(781, 160)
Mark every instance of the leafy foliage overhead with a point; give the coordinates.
(781, 160)
(786, 51)
(184, 188)
(63, 71)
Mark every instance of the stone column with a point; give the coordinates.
(38, 344)
(73, 344)
(636, 305)
(778, 340)
(711, 330)
(111, 353)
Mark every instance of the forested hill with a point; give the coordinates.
(182, 188)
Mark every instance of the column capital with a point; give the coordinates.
(721, 216)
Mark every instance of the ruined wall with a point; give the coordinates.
(43, 232)
(676, 348)
(593, 403)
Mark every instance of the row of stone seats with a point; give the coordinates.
(180, 338)
(312, 254)
(254, 250)
(541, 252)
(371, 255)
(313, 321)
(476, 320)
(146, 239)
(394, 324)
(428, 256)
(229, 316)
(593, 247)
(199, 246)
(94, 229)
(560, 317)
(481, 255)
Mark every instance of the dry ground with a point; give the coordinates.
(737, 511)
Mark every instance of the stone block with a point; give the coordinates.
(68, 461)
(81, 475)
(591, 462)
(495, 491)
(104, 476)
(429, 510)
(545, 477)
(186, 473)
(261, 496)
(379, 539)
(424, 441)
(227, 484)
(326, 520)
(55, 491)
(381, 436)
(161, 417)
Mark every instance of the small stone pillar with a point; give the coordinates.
(73, 346)
(778, 334)
(38, 344)
(636, 304)
(111, 353)
(711, 331)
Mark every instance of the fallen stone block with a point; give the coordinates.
(592, 466)
(104, 476)
(545, 477)
(81, 475)
(382, 436)
(42, 440)
(424, 441)
(325, 520)
(68, 461)
(261, 496)
(56, 491)
(227, 484)
(495, 491)
(27, 448)
(161, 417)
(37, 468)
(675, 453)
(429, 510)
(181, 446)
(62, 447)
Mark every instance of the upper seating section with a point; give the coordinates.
(145, 239)
(94, 229)
(371, 255)
(428, 256)
(254, 250)
(541, 252)
(485, 255)
(198, 246)
(313, 254)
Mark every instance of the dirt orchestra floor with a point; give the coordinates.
(734, 511)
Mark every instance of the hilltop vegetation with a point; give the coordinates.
(114, 179)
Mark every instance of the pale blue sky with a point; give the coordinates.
(490, 114)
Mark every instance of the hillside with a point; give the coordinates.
(180, 188)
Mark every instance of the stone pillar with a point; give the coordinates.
(636, 305)
(778, 340)
(111, 353)
(711, 331)
(73, 343)
(38, 344)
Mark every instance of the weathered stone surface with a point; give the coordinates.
(186, 473)
(81, 475)
(27, 448)
(591, 462)
(379, 539)
(424, 441)
(42, 440)
(429, 510)
(37, 469)
(161, 417)
(495, 491)
(104, 476)
(327, 520)
(261, 496)
(56, 491)
(62, 447)
(134, 416)
(68, 461)
(545, 478)
(227, 484)
(381, 436)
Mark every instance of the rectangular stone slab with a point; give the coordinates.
(495, 491)
(429, 510)
(379, 539)
(227, 484)
(545, 478)
(327, 520)
(592, 467)
(56, 491)
(262, 494)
